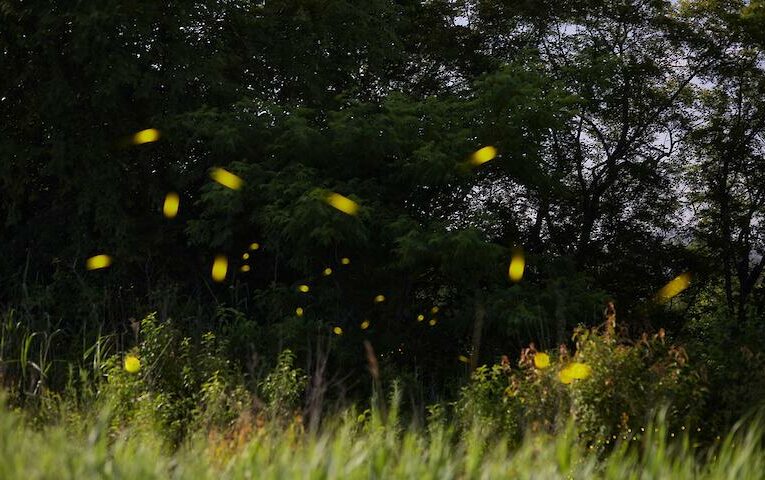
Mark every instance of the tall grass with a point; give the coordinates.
(360, 447)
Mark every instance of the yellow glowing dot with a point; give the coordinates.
(327, 272)
(483, 155)
(146, 136)
(299, 311)
(432, 322)
(565, 376)
(674, 287)
(379, 298)
(345, 260)
(170, 207)
(254, 246)
(541, 360)
(245, 256)
(517, 265)
(132, 364)
(219, 268)
(226, 178)
(304, 288)
(420, 317)
(98, 261)
(463, 359)
(365, 324)
(434, 310)
(338, 330)
(579, 371)
(344, 204)
(244, 268)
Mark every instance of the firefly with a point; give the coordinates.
(345, 260)
(219, 268)
(337, 331)
(483, 155)
(254, 246)
(379, 298)
(432, 322)
(299, 311)
(365, 324)
(541, 360)
(420, 317)
(170, 207)
(673, 287)
(98, 262)
(146, 136)
(344, 204)
(244, 268)
(327, 272)
(132, 364)
(226, 178)
(517, 266)
(304, 288)
(463, 359)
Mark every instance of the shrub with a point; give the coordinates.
(620, 385)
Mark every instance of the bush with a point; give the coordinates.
(620, 385)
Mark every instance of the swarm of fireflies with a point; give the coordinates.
(517, 266)
(345, 261)
(254, 246)
(145, 136)
(337, 331)
(98, 261)
(219, 268)
(541, 360)
(365, 324)
(244, 268)
(673, 288)
(379, 298)
(344, 204)
(170, 207)
(132, 364)
(304, 288)
(327, 272)
(226, 178)
(483, 155)
(299, 311)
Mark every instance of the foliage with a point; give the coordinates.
(624, 384)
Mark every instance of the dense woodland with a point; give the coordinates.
(629, 138)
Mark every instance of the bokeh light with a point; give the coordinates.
(432, 322)
(226, 178)
(244, 268)
(344, 204)
(170, 207)
(98, 261)
(219, 268)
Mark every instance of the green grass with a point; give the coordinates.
(350, 448)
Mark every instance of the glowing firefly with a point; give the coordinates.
(254, 246)
(146, 136)
(365, 324)
(170, 207)
(219, 268)
(517, 266)
(327, 272)
(98, 262)
(304, 288)
(337, 331)
(132, 364)
(344, 204)
(673, 287)
(244, 268)
(483, 155)
(226, 178)
(379, 298)
(345, 260)
(299, 311)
